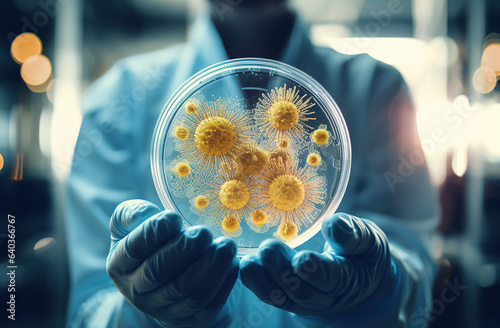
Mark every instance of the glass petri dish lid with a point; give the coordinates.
(252, 149)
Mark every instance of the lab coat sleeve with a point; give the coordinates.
(102, 176)
(392, 188)
(394, 191)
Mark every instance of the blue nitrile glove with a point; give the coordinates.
(180, 278)
(347, 283)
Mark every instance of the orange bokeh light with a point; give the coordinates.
(41, 87)
(36, 70)
(1, 162)
(24, 46)
(484, 80)
(491, 57)
(17, 175)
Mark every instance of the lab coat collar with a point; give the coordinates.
(299, 44)
(206, 42)
(205, 48)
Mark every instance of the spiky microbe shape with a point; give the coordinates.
(181, 132)
(216, 135)
(283, 143)
(252, 160)
(313, 159)
(230, 224)
(287, 230)
(191, 107)
(290, 194)
(234, 194)
(320, 136)
(283, 113)
(201, 202)
(279, 153)
(258, 218)
(231, 195)
(182, 169)
(286, 192)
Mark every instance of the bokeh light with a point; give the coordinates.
(50, 90)
(459, 160)
(487, 275)
(488, 131)
(44, 243)
(17, 175)
(484, 79)
(36, 70)
(491, 57)
(443, 51)
(1, 162)
(24, 46)
(491, 38)
(42, 87)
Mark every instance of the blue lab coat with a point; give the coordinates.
(389, 183)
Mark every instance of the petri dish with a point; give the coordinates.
(252, 149)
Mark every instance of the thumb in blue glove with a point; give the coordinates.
(180, 278)
(355, 264)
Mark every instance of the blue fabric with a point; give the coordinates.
(388, 185)
(181, 278)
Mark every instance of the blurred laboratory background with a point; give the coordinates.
(448, 51)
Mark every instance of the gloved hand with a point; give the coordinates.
(356, 270)
(180, 278)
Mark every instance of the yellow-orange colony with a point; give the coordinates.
(250, 164)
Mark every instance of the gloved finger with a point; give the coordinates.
(276, 257)
(348, 235)
(144, 240)
(200, 282)
(348, 280)
(225, 289)
(330, 273)
(128, 215)
(256, 278)
(207, 316)
(172, 258)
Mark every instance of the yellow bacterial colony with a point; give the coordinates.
(252, 160)
(181, 132)
(287, 230)
(279, 153)
(258, 218)
(249, 173)
(191, 107)
(230, 224)
(313, 159)
(201, 202)
(320, 136)
(286, 192)
(283, 143)
(214, 134)
(283, 113)
(290, 193)
(231, 195)
(234, 194)
(182, 169)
